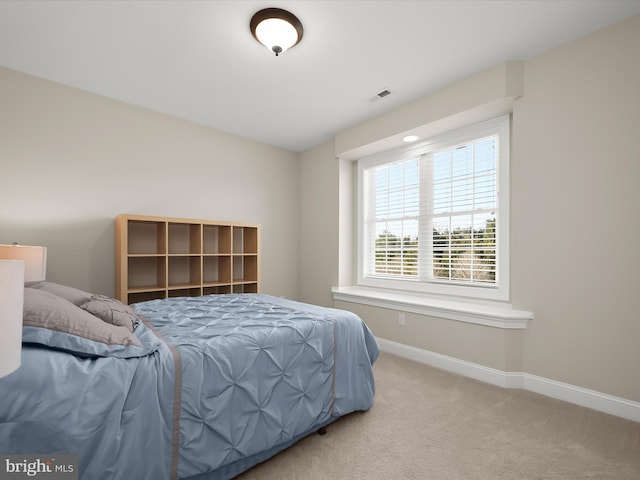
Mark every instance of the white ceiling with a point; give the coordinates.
(197, 59)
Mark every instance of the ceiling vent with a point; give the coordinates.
(379, 95)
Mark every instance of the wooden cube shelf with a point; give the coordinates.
(162, 257)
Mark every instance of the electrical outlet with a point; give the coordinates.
(402, 319)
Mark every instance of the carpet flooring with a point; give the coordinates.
(431, 424)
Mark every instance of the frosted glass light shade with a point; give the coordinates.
(34, 258)
(276, 29)
(11, 302)
(274, 32)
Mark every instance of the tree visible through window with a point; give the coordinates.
(466, 254)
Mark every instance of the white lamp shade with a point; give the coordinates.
(274, 31)
(34, 258)
(11, 300)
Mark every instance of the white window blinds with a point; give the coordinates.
(463, 217)
(393, 218)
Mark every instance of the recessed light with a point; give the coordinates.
(410, 138)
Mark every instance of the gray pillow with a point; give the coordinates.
(112, 311)
(47, 311)
(73, 295)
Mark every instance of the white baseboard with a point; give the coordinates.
(584, 397)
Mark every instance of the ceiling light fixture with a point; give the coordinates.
(276, 29)
(410, 138)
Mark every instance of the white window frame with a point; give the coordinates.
(497, 292)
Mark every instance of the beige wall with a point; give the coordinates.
(575, 224)
(318, 224)
(70, 161)
(575, 172)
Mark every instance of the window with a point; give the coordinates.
(434, 217)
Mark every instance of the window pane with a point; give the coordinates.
(464, 182)
(462, 195)
(395, 203)
(412, 202)
(396, 248)
(461, 248)
(381, 177)
(383, 244)
(410, 248)
(485, 192)
(485, 157)
(464, 248)
(395, 176)
(411, 174)
(441, 166)
(441, 247)
(442, 198)
(485, 248)
(397, 193)
(381, 206)
(462, 161)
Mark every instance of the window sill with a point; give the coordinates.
(500, 316)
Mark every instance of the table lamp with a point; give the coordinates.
(34, 258)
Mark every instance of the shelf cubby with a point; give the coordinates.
(216, 269)
(245, 268)
(184, 292)
(185, 270)
(184, 238)
(135, 297)
(216, 290)
(245, 288)
(147, 238)
(147, 271)
(245, 240)
(216, 239)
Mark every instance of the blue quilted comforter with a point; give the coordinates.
(234, 380)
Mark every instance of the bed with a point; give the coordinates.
(179, 388)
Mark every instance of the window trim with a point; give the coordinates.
(500, 292)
